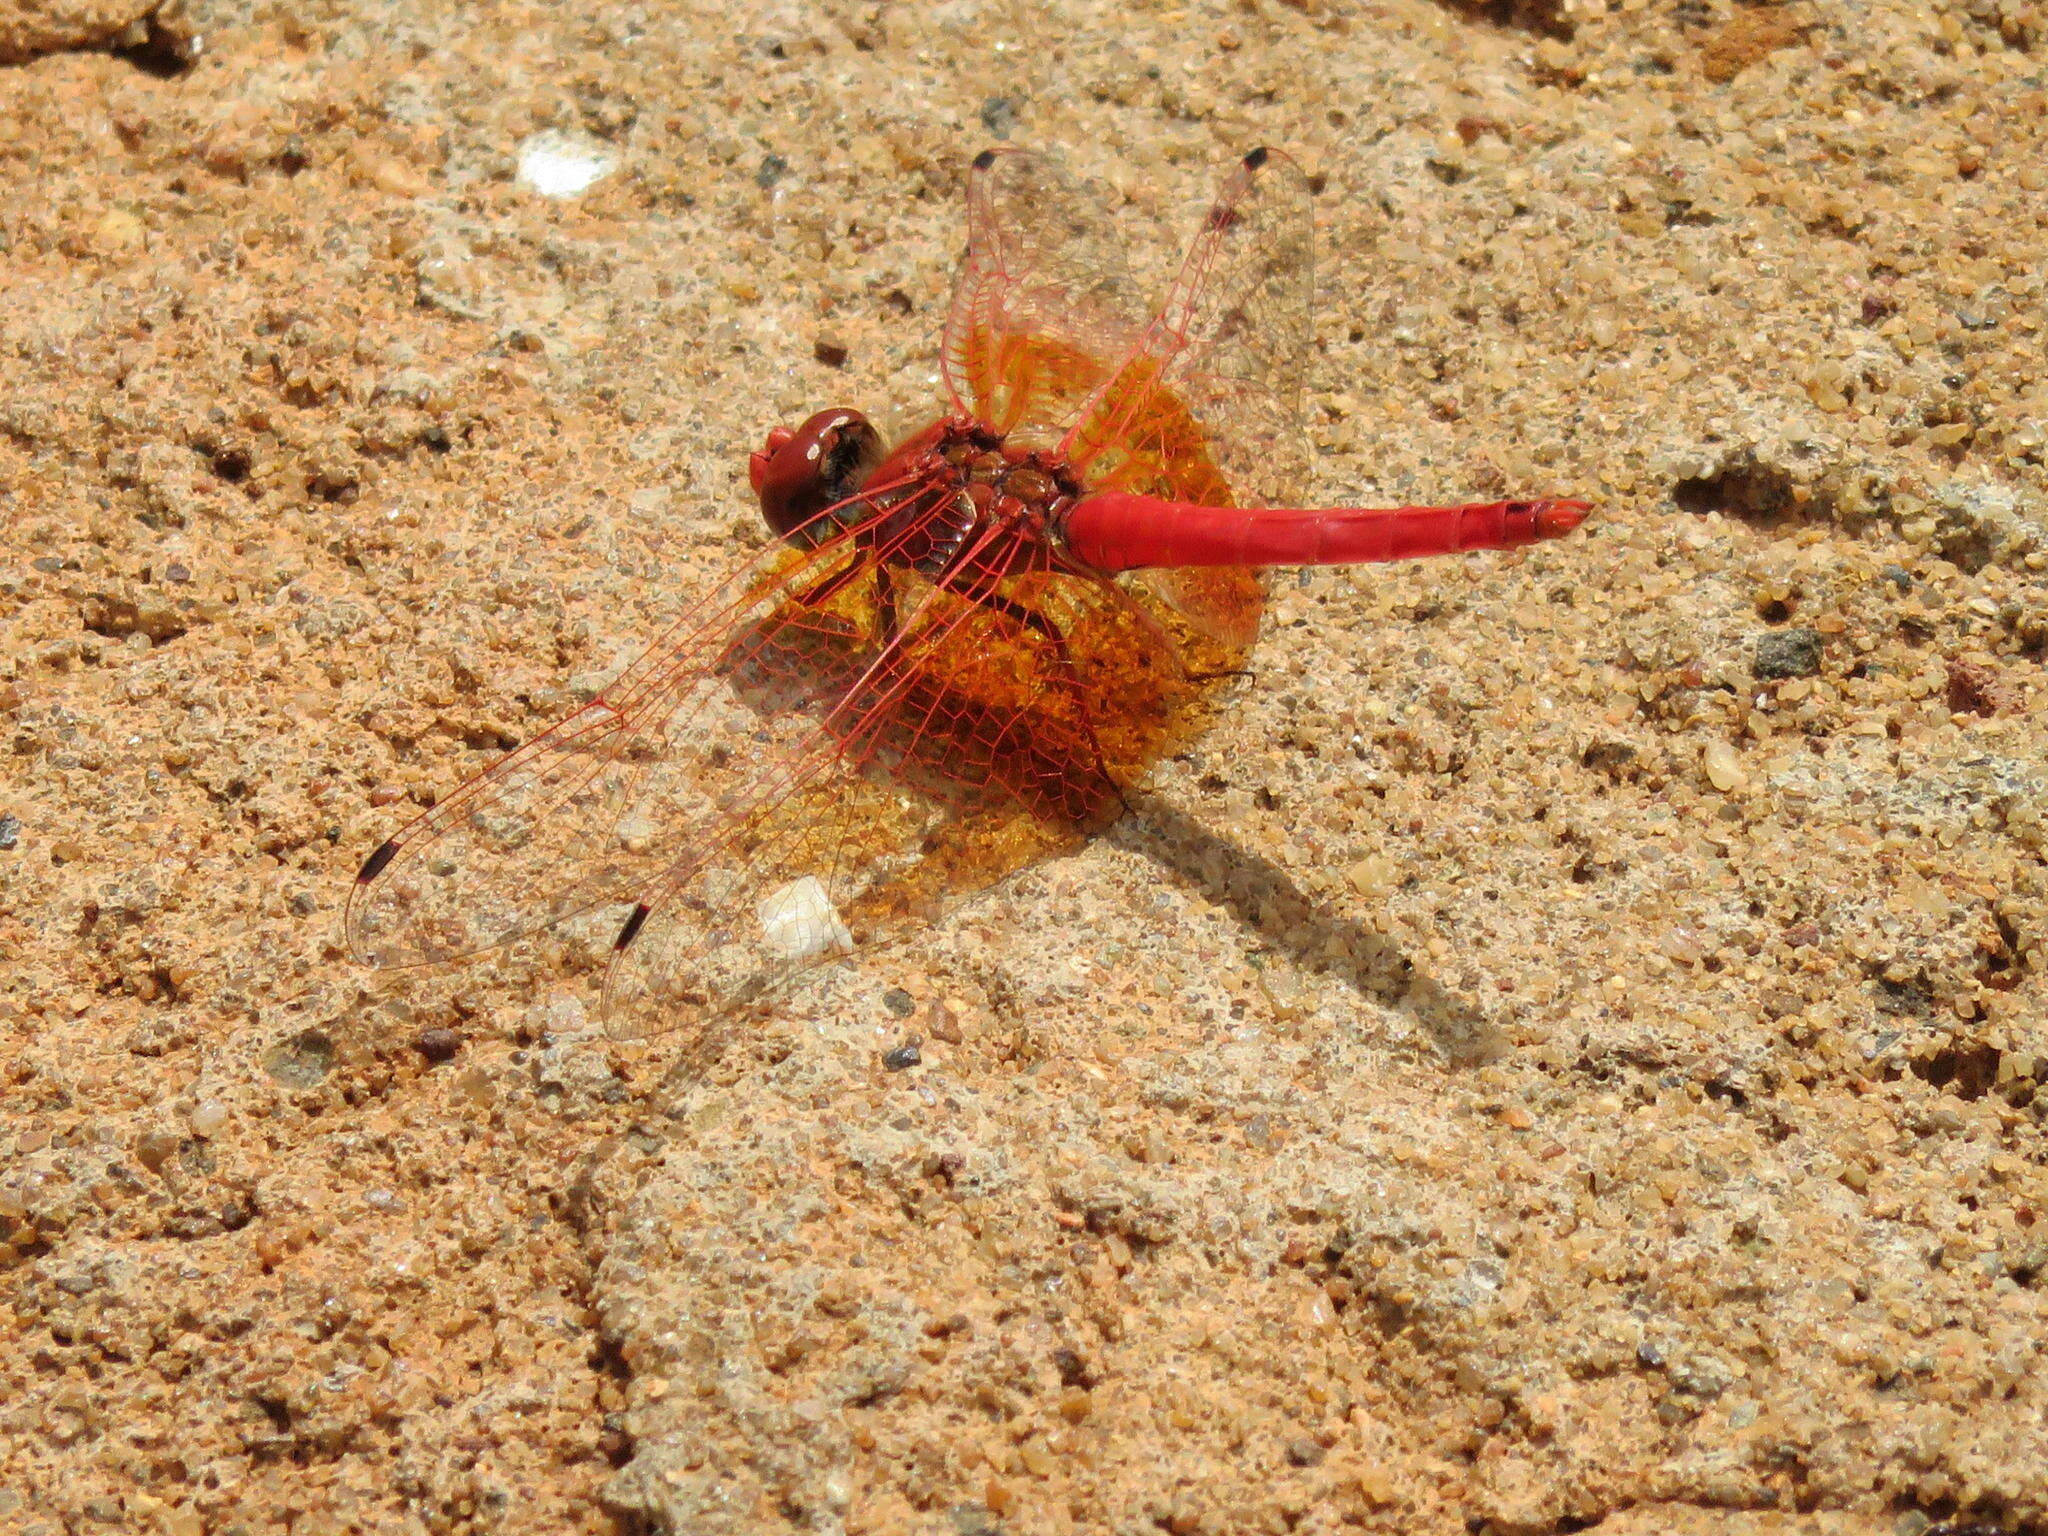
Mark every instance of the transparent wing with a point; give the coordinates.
(1207, 408)
(580, 816)
(1236, 331)
(1043, 309)
(1208, 405)
(827, 749)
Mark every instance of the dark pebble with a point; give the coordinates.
(438, 1045)
(1073, 1369)
(1787, 653)
(905, 1055)
(999, 116)
(899, 1002)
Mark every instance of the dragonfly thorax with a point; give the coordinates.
(971, 501)
(1009, 485)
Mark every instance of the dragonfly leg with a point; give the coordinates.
(822, 592)
(1031, 619)
(1018, 613)
(885, 605)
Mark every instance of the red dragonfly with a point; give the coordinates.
(940, 672)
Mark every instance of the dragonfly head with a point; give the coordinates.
(800, 473)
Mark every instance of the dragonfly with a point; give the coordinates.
(960, 653)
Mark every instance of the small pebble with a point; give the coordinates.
(905, 1055)
(438, 1045)
(118, 232)
(207, 1117)
(1724, 768)
(558, 164)
(1372, 876)
(999, 115)
(155, 1148)
(302, 1061)
(1783, 653)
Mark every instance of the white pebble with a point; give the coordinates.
(1724, 768)
(557, 164)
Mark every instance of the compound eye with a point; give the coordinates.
(823, 462)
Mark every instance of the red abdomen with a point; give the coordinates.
(1120, 531)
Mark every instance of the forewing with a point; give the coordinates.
(588, 813)
(1043, 310)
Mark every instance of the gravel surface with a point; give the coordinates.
(1564, 1052)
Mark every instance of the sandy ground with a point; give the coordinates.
(1564, 1054)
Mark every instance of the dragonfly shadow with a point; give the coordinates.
(1267, 899)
